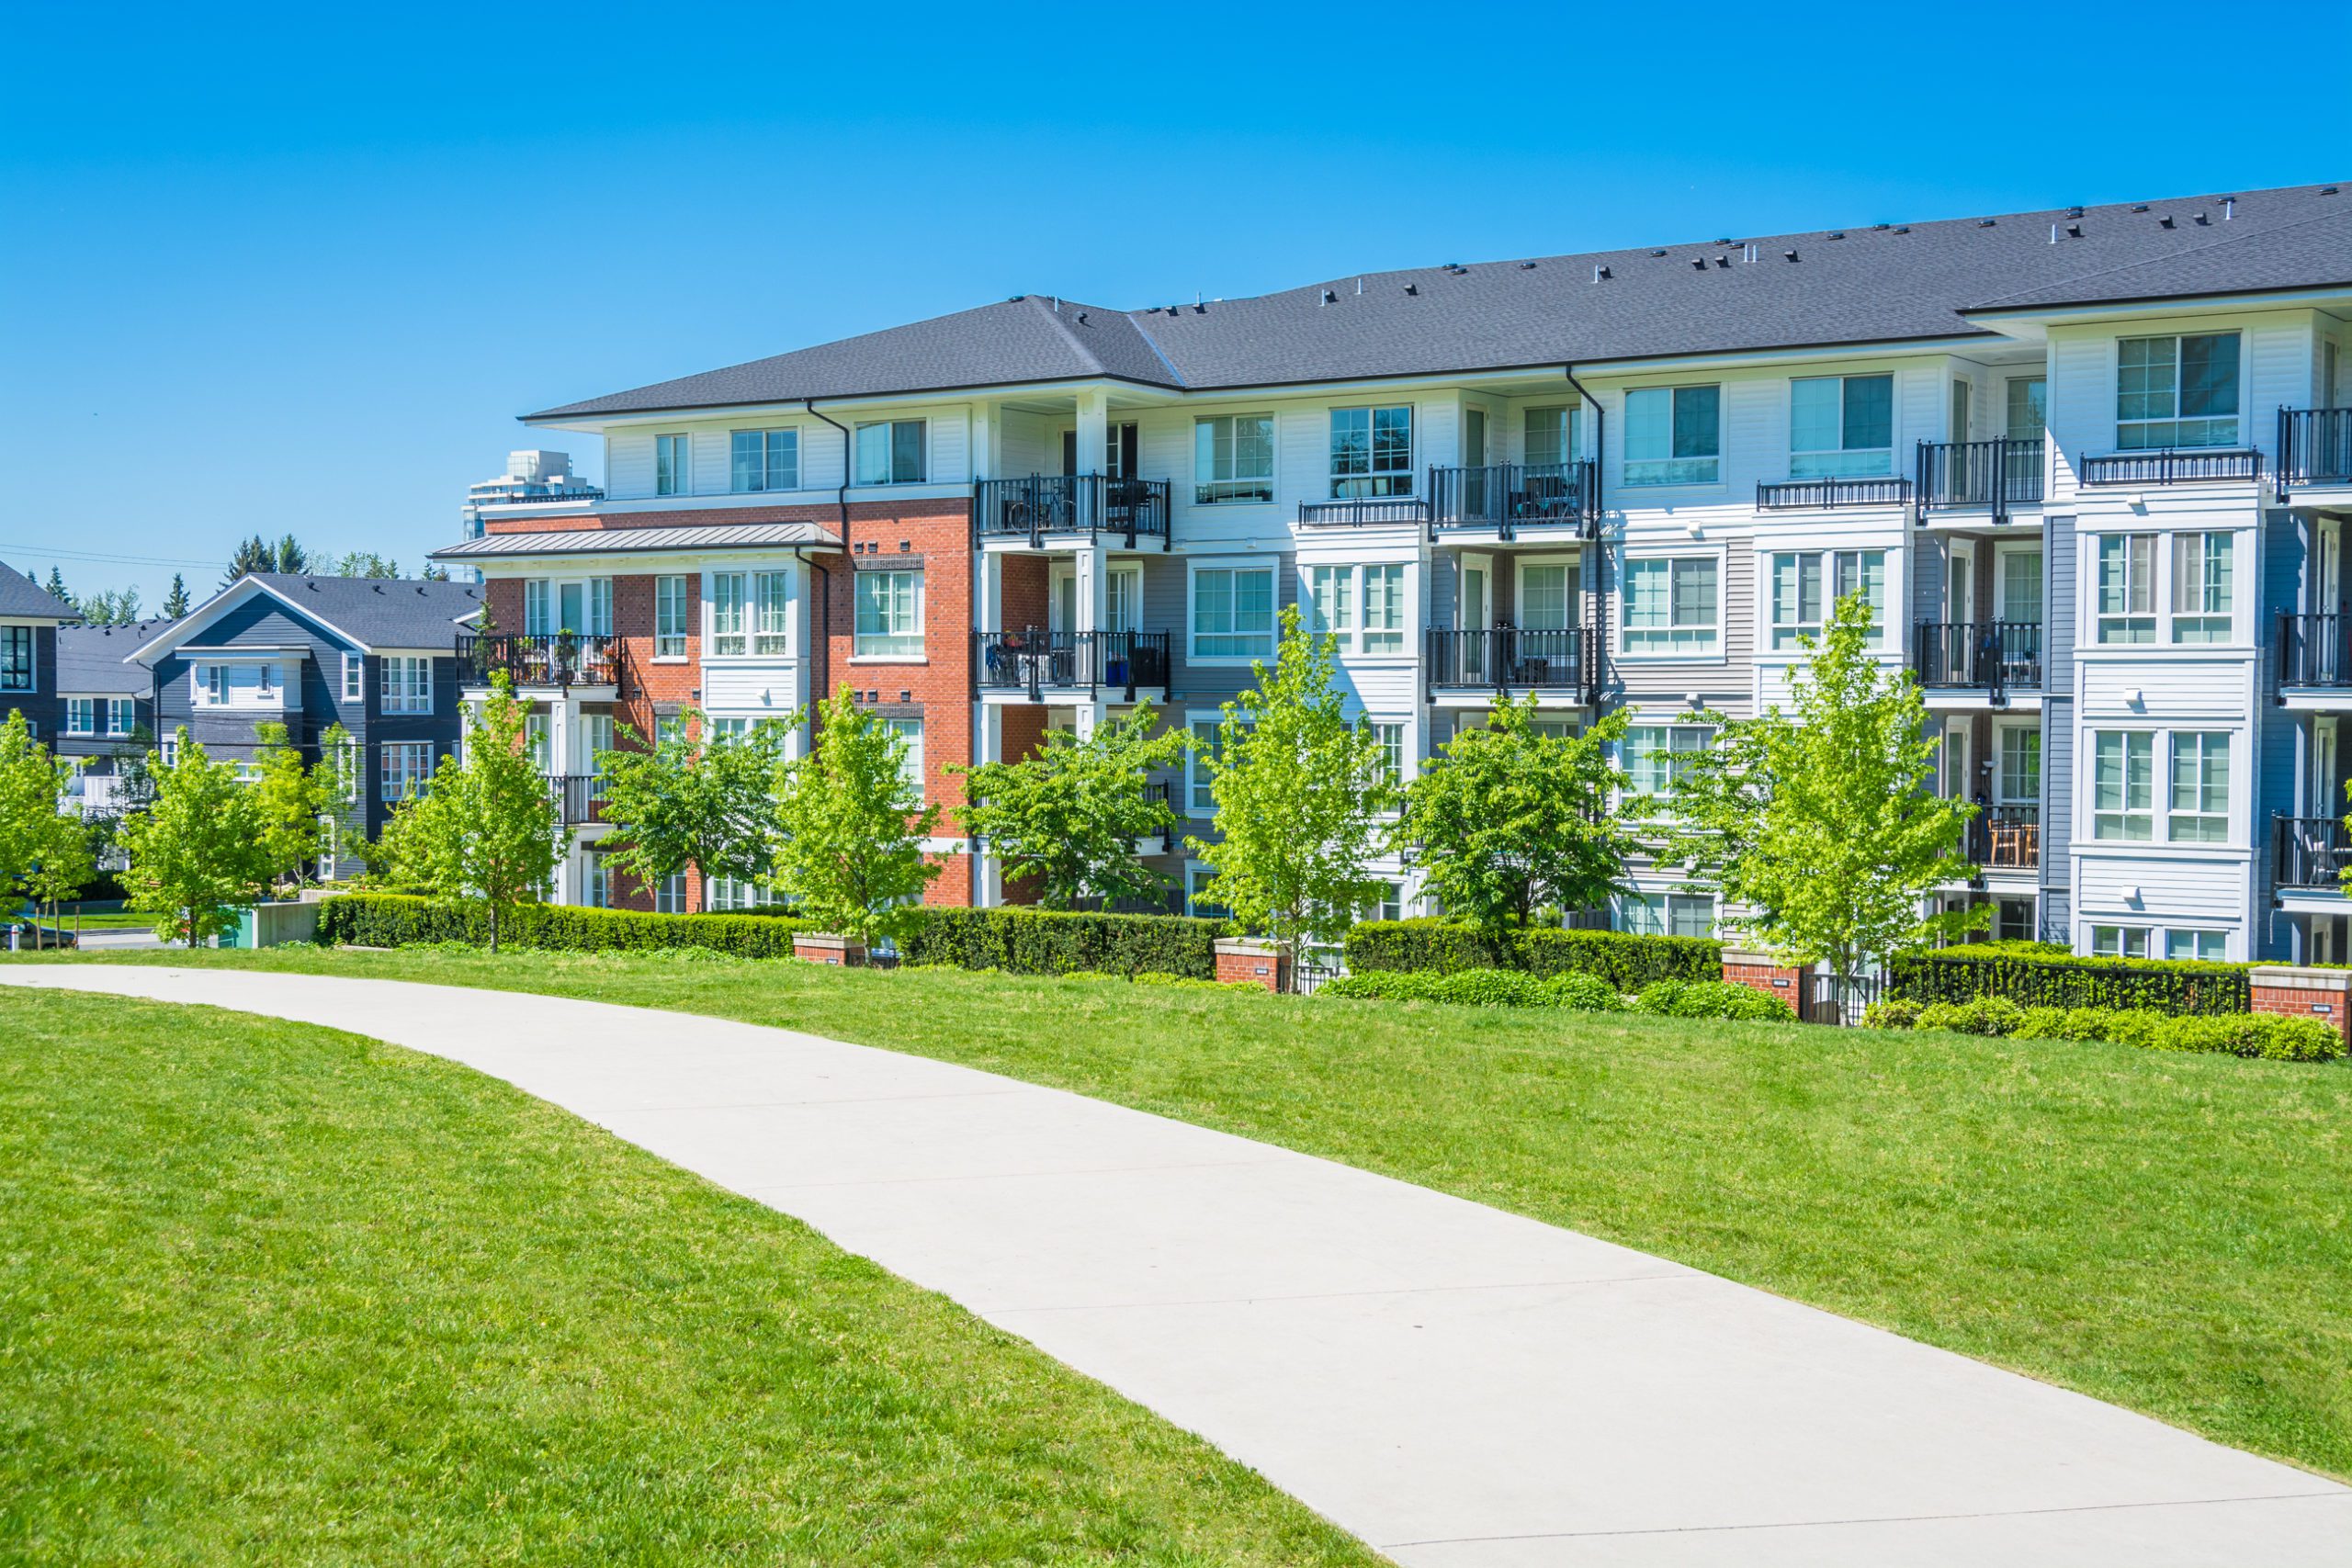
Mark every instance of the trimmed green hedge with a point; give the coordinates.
(1480, 987)
(393, 919)
(1626, 961)
(2261, 1036)
(2032, 975)
(1022, 941)
(1713, 999)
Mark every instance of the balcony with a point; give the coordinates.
(1042, 664)
(2315, 650)
(2006, 838)
(1563, 663)
(1994, 657)
(2315, 447)
(1063, 505)
(540, 659)
(1555, 498)
(580, 797)
(1826, 494)
(1990, 476)
(1362, 511)
(2309, 854)
(2171, 465)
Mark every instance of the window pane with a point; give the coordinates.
(906, 451)
(746, 462)
(1813, 414)
(1697, 427)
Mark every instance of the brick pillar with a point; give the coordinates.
(1762, 972)
(1253, 963)
(2292, 992)
(821, 947)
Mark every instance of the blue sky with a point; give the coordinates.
(298, 270)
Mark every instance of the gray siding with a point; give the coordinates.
(2058, 728)
(1727, 683)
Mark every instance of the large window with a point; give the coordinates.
(674, 465)
(2123, 784)
(408, 684)
(16, 659)
(2200, 808)
(2212, 947)
(1658, 755)
(404, 768)
(2177, 392)
(81, 715)
(2127, 588)
(1391, 747)
(723, 894)
(1233, 613)
(889, 615)
(122, 716)
(1360, 608)
(771, 610)
(2020, 586)
(1371, 452)
(2020, 766)
(1798, 602)
(1551, 435)
(2028, 404)
(729, 632)
(1668, 914)
(1200, 799)
(669, 617)
(1674, 435)
(1841, 425)
(764, 459)
(1671, 606)
(891, 451)
(1233, 458)
(2119, 942)
(1547, 596)
(2201, 587)
(600, 606)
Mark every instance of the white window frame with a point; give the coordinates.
(2134, 624)
(122, 716)
(899, 636)
(1232, 570)
(673, 463)
(771, 613)
(1668, 469)
(2115, 941)
(1572, 588)
(2147, 425)
(415, 765)
(2124, 815)
(1371, 481)
(1696, 647)
(407, 685)
(1639, 747)
(2206, 819)
(727, 598)
(81, 715)
(1340, 601)
(669, 618)
(775, 459)
(2198, 939)
(1834, 574)
(1223, 436)
(2212, 617)
(1843, 461)
(1204, 726)
(889, 468)
(910, 766)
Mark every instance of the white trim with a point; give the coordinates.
(175, 636)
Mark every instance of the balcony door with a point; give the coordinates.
(1474, 613)
(2017, 588)
(1957, 783)
(2326, 789)
(1959, 588)
(1122, 598)
(2327, 573)
(1547, 595)
(1119, 451)
(1960, 400)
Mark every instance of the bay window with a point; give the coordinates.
(2200, 808)
(1674, 435)
(2201, 587)
(1841, 425)
(1671, 606)
(2127, 575)
(2177, 392)
(2123, 784)
(1233, 458)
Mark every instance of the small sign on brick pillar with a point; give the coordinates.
(1762, 972)
(2294, 992)
(823, 947)
(1253, 962)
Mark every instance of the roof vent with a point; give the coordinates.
(1527, 266)
(1330, 298)
(2166, 221)
(2328, 190)
(1724, 241)
(1081, 318)
(1881, 225)
(1837, 233)
(1903, 228)
(2074, 231)
(1983, 222)
(1412, 289)
(1599, 273)
(1016, 300)
(1747, 253)
(2073, 212)
(1658, 252)
(1699, 261)
(2202, 220)
(2139, 206)
(1199, 309)
(2229, 207)
(1790, 255)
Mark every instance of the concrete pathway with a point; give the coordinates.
(1460, 1387)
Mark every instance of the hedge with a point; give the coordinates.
(2032, 975)
(393, 919)
(1023, 940)
(1626, 961)
(1479, 988)
(2262, 1035)
(1712, 999)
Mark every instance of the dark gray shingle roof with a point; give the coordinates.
(382, 612)
(90, 659)
(20, 595)
(1872, 284)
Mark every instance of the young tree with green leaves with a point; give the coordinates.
(289, 802)
(196, 853)
(1067, 815)
(693, 798)
(176, 601)
(1506, 821)
(1821, 825)
(1303, 798)
(850, 826)
(488, 828)
(339, 774)
(44, 849)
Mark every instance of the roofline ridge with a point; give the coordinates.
(2214, 244)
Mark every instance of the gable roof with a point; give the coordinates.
(20, 595)
(1883, 283)
(371, 612)
(95, 660)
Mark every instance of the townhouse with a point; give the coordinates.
(2090, 466)
(29, 616)
(105, 708)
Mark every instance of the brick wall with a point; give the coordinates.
(1027, 593)
(2294, 992)
(1759, 971)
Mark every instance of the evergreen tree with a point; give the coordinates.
(176, 602)
(850, 826)
(56, 586)
(251, 556)
(1068, 815)
(289, 556)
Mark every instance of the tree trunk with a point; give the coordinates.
(494, 925)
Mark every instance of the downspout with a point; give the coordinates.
(841, 500)
(820, 665)
(1601, 576)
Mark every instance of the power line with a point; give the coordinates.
(103, 558)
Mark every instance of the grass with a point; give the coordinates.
(270, 1293)
(2172, 1232)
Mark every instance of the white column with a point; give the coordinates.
(988, 746)
(990, 609)
(1093, 422)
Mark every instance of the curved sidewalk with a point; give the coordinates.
(1460, 1387)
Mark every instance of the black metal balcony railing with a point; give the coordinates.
(1508, 496)
(2172, 466)
(2315, 447)
(580, 796)
(1996, 475)
(529, 495)
(2314, 650)
(1510, 659)
(539, 658)
(1360, 511)
(2006, 838)
(2309, 852)
(1092, 504)
(1817, 495)
(1999, 657)
(1037, 661)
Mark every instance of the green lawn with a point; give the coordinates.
(2173, 1233)
(270, 1293)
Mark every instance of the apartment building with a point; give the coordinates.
(29, 616)
(2089, 463)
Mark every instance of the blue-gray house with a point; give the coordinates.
(29, 616)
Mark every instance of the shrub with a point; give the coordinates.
(1712, 999)
(1049, 941)
(1626, 961)
(1892, 1012)
(388, 920)
(1983, 1015)
(2260, 1036)
(1479, 988)
(2036, 975)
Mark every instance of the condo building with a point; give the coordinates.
(2091, 467)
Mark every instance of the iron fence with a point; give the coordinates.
(1996, 475)
(2172, 466)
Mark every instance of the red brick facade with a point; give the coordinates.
(2322, 994)
(1240, 960)
(1758, 972)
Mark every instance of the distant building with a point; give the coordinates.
(105, 708)
(29, 616)
(534, 477)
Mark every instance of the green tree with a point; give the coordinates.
(251, 556)
(1069, 813)
(288, 555)
(290, 802)
(693, 797)
(487, 828)
(850, 826)
(1506, 821)
(196, 852)
(339, 776)
(1821, 825)
(1302, 801)
(44, 847)
(176, 601)
(56, 586)
(109, 607)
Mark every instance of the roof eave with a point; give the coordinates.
(576, 416)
